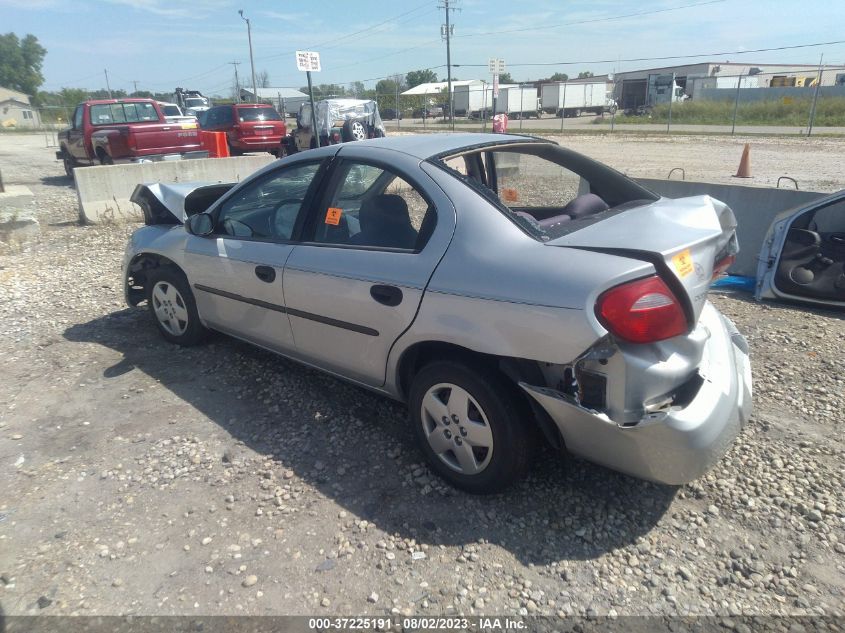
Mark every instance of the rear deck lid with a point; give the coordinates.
(685, 238)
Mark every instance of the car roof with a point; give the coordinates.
(425, 146)
(253, 105)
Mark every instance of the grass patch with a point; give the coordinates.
(830, 112)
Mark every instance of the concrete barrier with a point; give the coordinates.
(104, 191)
(754, 207)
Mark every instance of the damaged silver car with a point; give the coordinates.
(507, 289)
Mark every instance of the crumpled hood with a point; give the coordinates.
(166, 203)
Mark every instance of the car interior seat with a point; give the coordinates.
(385, 221)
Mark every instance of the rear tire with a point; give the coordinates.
(105, 159)
(69, 163)
(471, 425)
(173, 308)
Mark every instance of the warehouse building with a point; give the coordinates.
(632, 89)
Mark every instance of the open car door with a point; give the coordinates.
(803, 256)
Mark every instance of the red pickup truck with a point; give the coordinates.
(120, 130)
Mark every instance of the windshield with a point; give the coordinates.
(258, 114)
(195, 103)
(171, 110)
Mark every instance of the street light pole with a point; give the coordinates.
(251, 62)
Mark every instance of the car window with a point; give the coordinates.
(77, 118)
(529, 182)
(829, 219)
(373, 207)
(225, 116)
(246, 115)
(267, 208)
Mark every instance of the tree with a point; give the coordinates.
(559, 77)
(263, 79)
(388, 87)
(356, 88)
(504, 78)
(20, 63)
(417, 77)
(586, 74)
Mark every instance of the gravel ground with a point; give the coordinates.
(141, 478)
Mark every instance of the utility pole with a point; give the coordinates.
(106, 73)
(816, 96)
(135, 83)
(446, 32)
(251, 61)
(237, 84)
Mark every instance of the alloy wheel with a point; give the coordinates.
(457, 429)
(170, 308)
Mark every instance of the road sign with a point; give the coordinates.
(496, 66)
(496, 86)
(308, 61)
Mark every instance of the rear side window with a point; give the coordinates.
(529, 182)
(373, 207)
(246, 115)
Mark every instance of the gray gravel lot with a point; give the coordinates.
(141, 478)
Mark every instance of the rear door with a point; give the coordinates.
(803, 257)
(372, 243)
(263, 123)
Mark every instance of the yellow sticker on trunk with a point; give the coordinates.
(333, 216)
(683, 263)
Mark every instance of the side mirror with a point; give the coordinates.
(200, 224)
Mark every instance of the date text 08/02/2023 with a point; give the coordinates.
(415, 623)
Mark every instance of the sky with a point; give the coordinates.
(162, 44)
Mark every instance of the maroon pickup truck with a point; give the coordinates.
(120, 130)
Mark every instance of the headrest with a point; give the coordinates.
(384, 209)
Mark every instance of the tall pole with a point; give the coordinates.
(815, 96)
(736, 103)
(315, 130)
(671, 101)
(237, 82)
(106, 73)
(448, 8)
(251, 61)
(135, 83)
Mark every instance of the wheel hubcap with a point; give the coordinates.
(169, 308)
(358, 131)
(457, 429)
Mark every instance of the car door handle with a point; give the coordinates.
(266, 273)
(387, 295)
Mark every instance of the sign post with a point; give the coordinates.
(497, 67)
(308, 61)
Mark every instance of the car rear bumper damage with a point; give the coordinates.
(676, 444)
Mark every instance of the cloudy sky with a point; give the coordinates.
(166, 43)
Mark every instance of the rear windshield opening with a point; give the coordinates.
(547, 190)
(258, 114)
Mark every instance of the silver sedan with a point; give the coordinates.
(509, 290)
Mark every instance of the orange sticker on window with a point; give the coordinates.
(683, 263)
(509, 195)
(333, 216)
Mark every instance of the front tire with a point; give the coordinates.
(354, 130)
(173, 308)
(471, 425)
(69, 164)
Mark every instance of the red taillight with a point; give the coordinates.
(335, 137)
(641, 311)
(722, 265)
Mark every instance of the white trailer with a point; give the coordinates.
(573, 98)
(518, 102)
(477, 101)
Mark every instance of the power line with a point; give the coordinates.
(665, 58)
(348, 35)
(594, 20)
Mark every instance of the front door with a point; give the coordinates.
(236, 273)
(354, 284)
(807, 258)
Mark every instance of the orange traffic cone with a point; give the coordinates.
(744, 170)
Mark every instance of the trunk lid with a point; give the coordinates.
(684, 238)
